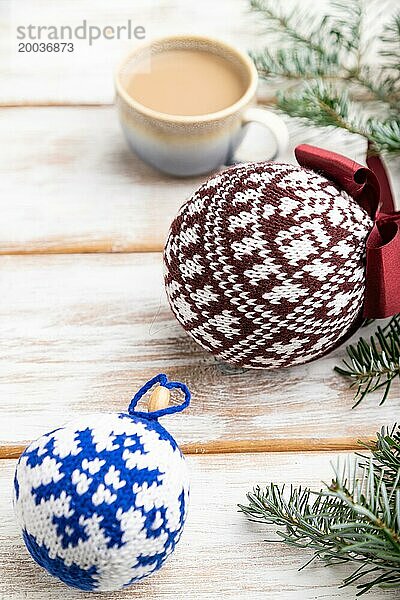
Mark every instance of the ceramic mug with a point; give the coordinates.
(192, 145)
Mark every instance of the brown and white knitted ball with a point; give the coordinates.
(265, 265)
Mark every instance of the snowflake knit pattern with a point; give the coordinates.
(265, 265)
(102, 501)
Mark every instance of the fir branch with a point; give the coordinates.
(385, 135)
(294, 64)
(347, 22)
(324, 105)
(374, 364)
(355, 519)
(324, 57)
(386, 452)
(320, 103)
(391, 44)
(292, 25)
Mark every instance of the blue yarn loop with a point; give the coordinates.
(162, 379)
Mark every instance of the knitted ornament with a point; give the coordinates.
(102, 501)
(265, 265)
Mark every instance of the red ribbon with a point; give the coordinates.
(370, 188)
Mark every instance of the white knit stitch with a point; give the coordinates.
(159, 499)
(281, 255)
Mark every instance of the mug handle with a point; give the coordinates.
(274, 123)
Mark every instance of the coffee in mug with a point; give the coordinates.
(187, 82)
(183, 102)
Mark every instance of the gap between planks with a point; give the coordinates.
(264, 100)
(101, 247)
(55, 104)
(62, 189)
(241, 446)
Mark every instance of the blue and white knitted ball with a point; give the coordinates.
(102, 501)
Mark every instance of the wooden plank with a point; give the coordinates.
(85, 76)
(71, 185)
(221, 554)
(81, 333)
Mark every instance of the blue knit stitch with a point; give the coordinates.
(102, 502)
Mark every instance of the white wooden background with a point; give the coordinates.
(84, 320)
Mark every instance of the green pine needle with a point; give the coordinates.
(318, 102)
(355, 519)
(374, 364)
(323, 61)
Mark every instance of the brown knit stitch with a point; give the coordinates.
(264, 265)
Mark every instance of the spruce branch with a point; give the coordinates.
(297, 64)
(385, 135)
(354, 519)
(324, 60)
(292, 25)
(375, 363)
(322, 104)
(391, 44)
